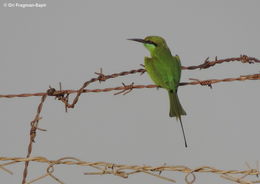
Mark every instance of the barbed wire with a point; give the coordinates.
(101, 78)
(124, 171)
(124, 87)
(207, 63)
(34, 127)
(121, 170)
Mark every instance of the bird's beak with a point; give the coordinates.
(138, 40)
(143, 41)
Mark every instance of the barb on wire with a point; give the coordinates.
(127, 89)
(124, 171)
(34, 127)
(101, 76)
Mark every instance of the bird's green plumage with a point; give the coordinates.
(165, 71)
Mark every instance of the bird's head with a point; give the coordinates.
(151, 42)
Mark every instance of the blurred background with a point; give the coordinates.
(68, 41)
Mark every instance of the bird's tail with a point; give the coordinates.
(176, 110)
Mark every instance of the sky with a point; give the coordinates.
(69, 41)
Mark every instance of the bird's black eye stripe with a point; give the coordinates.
(151, 42)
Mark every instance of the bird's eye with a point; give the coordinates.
(151, 42)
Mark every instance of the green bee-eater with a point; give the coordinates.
(165, 71)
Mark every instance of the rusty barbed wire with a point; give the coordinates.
(124, 87)
(124, 171)
(63, 95)
(207, 63)
(34, 127)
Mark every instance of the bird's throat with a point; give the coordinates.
(150, 47)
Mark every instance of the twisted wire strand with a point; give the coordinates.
(125, 171)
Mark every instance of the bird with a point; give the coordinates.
(165, 71)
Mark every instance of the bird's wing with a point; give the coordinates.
(154, 71)
(177, 68)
